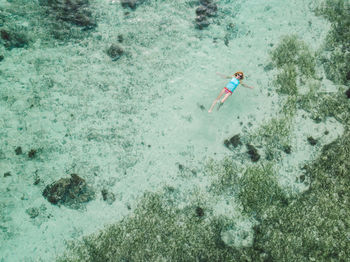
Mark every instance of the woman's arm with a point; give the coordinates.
(224, 76)
(247, 86)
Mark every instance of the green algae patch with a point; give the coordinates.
(292, 52)
(295, 61)
(275, 134)
(156, 231)
(286, 81)
(337, 63)
(259, 190)
(325, 105)
(254, 186)
(313, 227)
(286, 52)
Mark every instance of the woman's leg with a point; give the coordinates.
(216, 100)
(223, 100)
(225, 97)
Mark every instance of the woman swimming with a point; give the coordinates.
(230, 87)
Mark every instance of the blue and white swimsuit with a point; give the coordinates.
(232, 85)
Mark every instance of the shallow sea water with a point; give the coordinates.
(128, 125)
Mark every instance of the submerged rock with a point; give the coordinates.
(201, 107)
(199, 211)
(205, 2)
(287, 149)
(115, 52)
(347, 93)
(120, 38)
(268, 67)
(33, 212)
(253, 153)
(107, 196)
(11, 39)
(234, 141)
(202, 22)
(211, 9)
(18, 150)
(131, 3)
(71, 192)
(201, 10)
(206, 9)
(312, 141)
(32, 153)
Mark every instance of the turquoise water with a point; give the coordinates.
(139, 123)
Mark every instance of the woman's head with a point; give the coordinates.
(240, 74)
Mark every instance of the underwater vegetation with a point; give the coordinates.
(156, 232)
(68, 18)
(313, 227)
(12, 33)
(336, 60)
(292, 57)
(12, 39)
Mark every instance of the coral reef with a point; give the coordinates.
(205, 10)
(32, 212)
(115, 52)
(312, 141)
(132, 4)
(107, 196)
(71, 192)
(32, 153)
(18, 150)
(253, 153)
(64, 15)
(347, 93)
(6, 174)
(13, 39)
(233, 142)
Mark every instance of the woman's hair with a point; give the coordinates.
(239, 73)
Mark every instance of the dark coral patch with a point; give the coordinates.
(347, 93)
(71, 192)
(312, 141)
(253, 153)
(233, 142)
(115, 52)
(18, 150)
(199, 211)
(12, 39)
